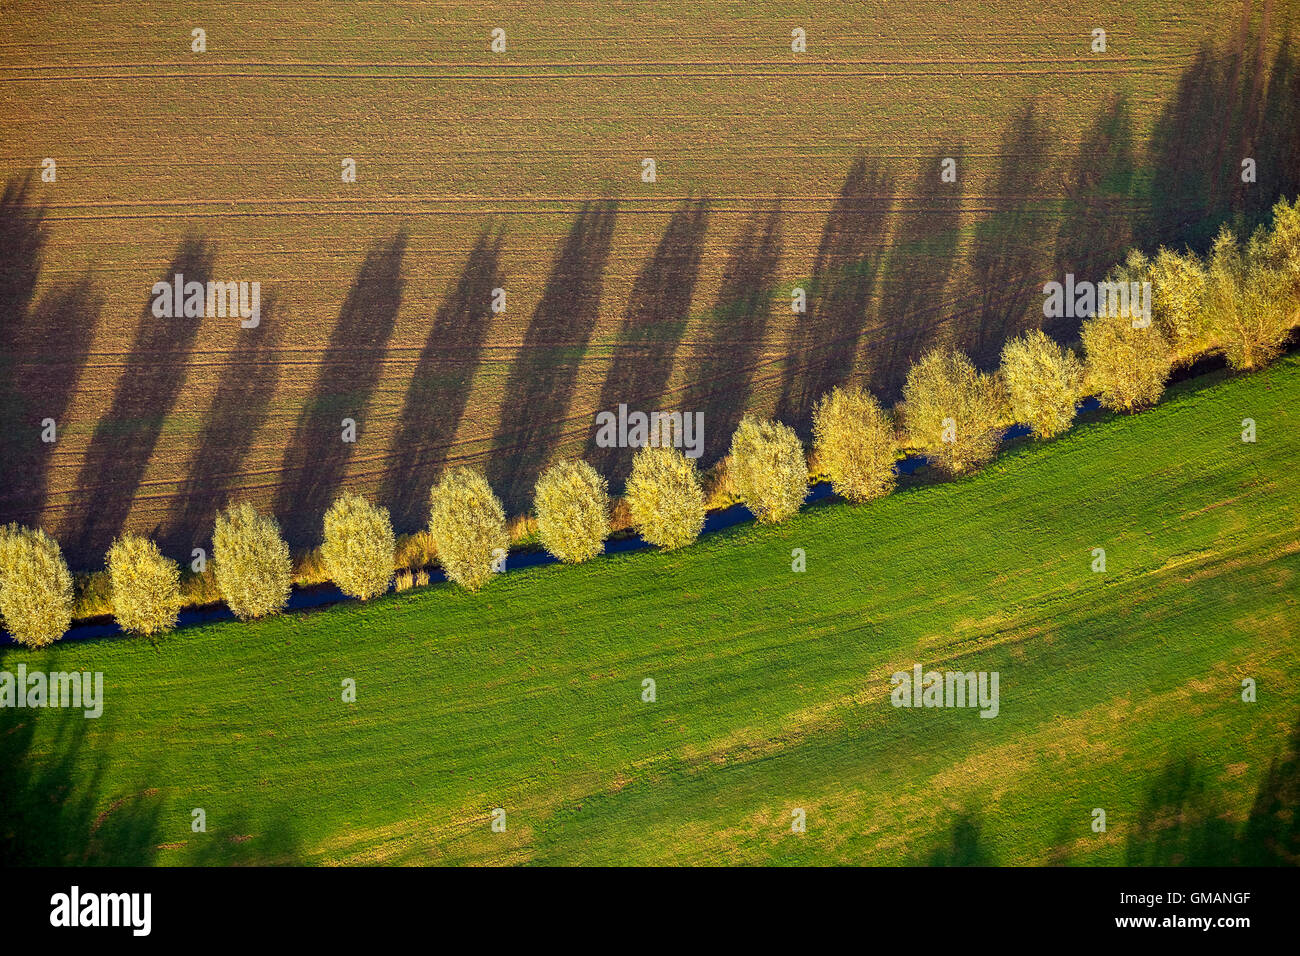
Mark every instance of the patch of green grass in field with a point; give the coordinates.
(772, 686)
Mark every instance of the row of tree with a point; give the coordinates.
(1242, 299)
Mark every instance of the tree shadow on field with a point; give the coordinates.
(239, 409)
(1278, 140)
(657, 314)
(733, 332)
(316, 459)
(126, 435)
(962, 846)
(1181, 823)
(1178, 823)
(49, 801)
(46, 364)
(1007, 257)
(922, 258)
(22, 242)
(43, 348)
(1095, 225)
(1231, 103)
(55, 811)
(244, 841)
(440, 386)
(542, 378)
(823, 345)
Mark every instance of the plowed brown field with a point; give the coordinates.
(522, 170)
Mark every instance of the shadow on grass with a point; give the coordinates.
(962, 846)
(50, 800)
(1183, 823)
(56, 808)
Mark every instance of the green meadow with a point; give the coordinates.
(1119, 690)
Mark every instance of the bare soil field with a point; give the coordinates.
(522, 170)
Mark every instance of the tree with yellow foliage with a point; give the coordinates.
(146, 586)
(468, 526)
(853, 438)
(1044, 382)
(1246, 301)
(1126, 365)
(664, 497)
(572, 504)
(251, 562)
(35, 586)
(359, 546)
(768, 469)
(953, 412)
(1178, 282)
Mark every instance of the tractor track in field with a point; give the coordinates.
(627, 75)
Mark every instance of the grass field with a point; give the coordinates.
(1119, 690)
(522, 170)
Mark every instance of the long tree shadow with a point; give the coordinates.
(440, 385)
(963, 845)
(1183, 823)
(269, 839)
(1189, 192)
(544, 373)
(45, 365)
(657, 314)
(126, 435)
(1179, 822)
(1271, 834)
(823, 345)
(1095, 224)
(317, 457)
(1278, 139)
(55, 809)
(1231, 104)
(239, 409)
(1007, 255)
(922, 259)
(722, 363)
(22, 243)
(50, 802)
